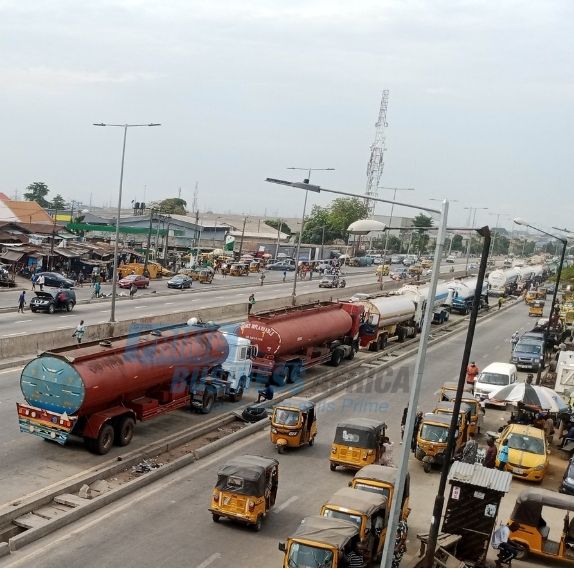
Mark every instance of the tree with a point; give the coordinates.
(279, 225)
(173, 205)
(343, 212)
(37, 192)
(314, 223)
(58, 202)
(456, 243)
(393, 243)
(421, 236)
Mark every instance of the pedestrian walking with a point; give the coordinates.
(261, 278)
(500, 301)
(79, 332)
(97, 289)
(22, 301)
(388, 447)
(40, 282)
(490, 456)
(133, 290)
(284, 275)
(81, 279)
(250, 303)
(418, 421)
(34, 281)
(503, 455)
(549, 428)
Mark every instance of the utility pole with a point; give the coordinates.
(279, 226)
(242, 235)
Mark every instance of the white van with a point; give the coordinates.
(492, 378)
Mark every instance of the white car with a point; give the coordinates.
(451, 259)
(493, 377)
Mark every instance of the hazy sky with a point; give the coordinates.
(480, 109)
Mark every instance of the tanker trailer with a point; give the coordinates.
(464, 294)
(503, 281)
(441, 305)
(99, 389)
(292, 339)
(386, 317)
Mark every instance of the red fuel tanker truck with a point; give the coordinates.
(98, 390)
(291, 339)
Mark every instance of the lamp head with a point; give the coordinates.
(519, 221)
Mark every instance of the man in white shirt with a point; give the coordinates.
(501, 541)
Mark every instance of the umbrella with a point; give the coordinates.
(531, 395)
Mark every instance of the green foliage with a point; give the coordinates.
(58, 202)
(37, 192)
(335, 219)
(393, 244)
(421, 236)
(173, 205)
(457, 244)
(501, 245)
(275, 223)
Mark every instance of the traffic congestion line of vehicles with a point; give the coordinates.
(353, 519)
(99, 390)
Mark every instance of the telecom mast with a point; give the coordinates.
(195, 203)
(376, 164)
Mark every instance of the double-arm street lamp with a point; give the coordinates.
(564, 242)
(115, 275)
(305, 182)
(394, 514)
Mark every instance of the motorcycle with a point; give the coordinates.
(342, 283)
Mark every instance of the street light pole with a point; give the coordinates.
(395, 190)
(396, 506)
(439, 499)
(299, 237)
(119, 211)
(471, 222)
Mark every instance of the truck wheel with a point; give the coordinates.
(208, 401)
(105, 440)
(382, 342)
(280, 375)
(337, 357)
(124, 432)
(295, 373)
(402, 334)
(237, 396)
(374, 346)
(351, 355)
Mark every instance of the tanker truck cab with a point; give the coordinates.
(228, 380)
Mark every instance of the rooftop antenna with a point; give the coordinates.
(376, 164)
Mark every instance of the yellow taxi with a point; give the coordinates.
(527, 452)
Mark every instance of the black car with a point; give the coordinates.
(567, 485)
(64, 299)
(56, 280)
(180, 281)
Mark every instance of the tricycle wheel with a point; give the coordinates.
(216, 518)
(280, 449)
(332, 466)
(311, 442)
(427, 467)
(258, 524)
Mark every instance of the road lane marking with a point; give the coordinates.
(17, 334)
(10, 369)
(210, 560)
(168, 303)
(142, 306)
(21, 321)
(101, 311)
(285, 504)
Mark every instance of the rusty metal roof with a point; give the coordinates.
(478, 475)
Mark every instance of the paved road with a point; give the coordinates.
(150, 304)
(167, 523)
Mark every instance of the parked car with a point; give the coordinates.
(451, 259)
(56, 280)
(528, 354)
(396, 259)
(527, 451)
(64, 299)
(567, 484)
(139, 280)
(399, 274)
(408, 261)
(180, 281)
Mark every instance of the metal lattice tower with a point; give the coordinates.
(376, 164)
